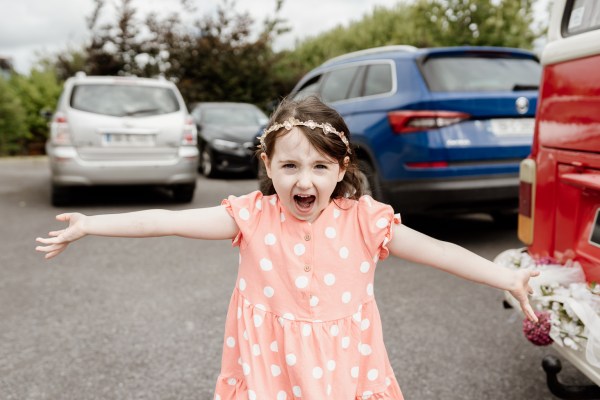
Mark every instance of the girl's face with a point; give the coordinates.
(303, 178)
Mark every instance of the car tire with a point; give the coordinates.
(184, 193)
(207, 162)
(369, 181)
(59, 196)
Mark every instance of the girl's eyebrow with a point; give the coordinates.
(319, 161)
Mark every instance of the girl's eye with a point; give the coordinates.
(289, 166)
(321, 166)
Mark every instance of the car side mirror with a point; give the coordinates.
(46, 113)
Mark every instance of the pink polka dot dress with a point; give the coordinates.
(302, 322)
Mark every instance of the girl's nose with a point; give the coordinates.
(304, 180)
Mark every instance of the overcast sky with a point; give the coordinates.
(30, 27)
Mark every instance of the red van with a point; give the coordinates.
(559, 210)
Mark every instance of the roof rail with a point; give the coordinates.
(80, 74)
(374, 50)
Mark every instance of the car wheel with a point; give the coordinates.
(59, 196)
(369, 181)
(207, 164)
(184, 193)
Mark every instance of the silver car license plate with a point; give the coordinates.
(512, 126)
(125, 139)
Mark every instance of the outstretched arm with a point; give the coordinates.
(201, 223)
(414, 246)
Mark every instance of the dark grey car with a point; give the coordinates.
(226, 136)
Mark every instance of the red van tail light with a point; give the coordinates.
(527, 172)
(407, 121)
(428, 164)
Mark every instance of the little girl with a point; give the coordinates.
(302, 321)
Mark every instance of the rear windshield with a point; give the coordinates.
(475, 74)
(124, 100)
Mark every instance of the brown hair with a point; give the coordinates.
(330, 145)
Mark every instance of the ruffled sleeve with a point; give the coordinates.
(246, 210)
(376, 222)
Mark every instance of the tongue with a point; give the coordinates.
(305, 202)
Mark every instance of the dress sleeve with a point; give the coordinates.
(376, 222)
(246, 210)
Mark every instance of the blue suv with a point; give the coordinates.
(436, 129)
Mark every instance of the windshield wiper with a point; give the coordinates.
(141, 111)
(519, 87)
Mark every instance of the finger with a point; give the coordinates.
(46, 240)
(63, 217)
(56, 233)
(529, 289)
(534, 273)
(528, 310)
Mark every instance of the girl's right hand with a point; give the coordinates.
(59, 240)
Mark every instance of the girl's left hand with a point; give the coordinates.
(522, 290)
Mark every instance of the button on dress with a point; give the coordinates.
(302, 321)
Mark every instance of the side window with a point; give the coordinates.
(583, 16)
(337, 84)
(378, 79)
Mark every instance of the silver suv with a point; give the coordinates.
(122, 131)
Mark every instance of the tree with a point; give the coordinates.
(13, 128)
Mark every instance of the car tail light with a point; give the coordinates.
(408, 121)
(428, 164)
(189, 133)
(526, 200)
(60, 132)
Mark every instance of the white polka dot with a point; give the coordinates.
(382, 223)
(334, 330)
(273, 200)
(365, 349)
(331, 365)
(275, 370)
(345, 342)
(297, 391)
(256, 349)
(281, 395)
(336, 213)
(270, 239)
(231, 381)
(346, 297)
(364, 324)
(269, 291)
(251, 395)
(299, 249)
(372, 374)
(274, 348)
(301, 282)
(282, 217)
(217, 397)
(365, 266)
(266, 264)
(306, 330)
(354, 372)
(258, 320)
(330, 232)
(314, 300)
(370, 289)
(244, 214)
(260, 307)
(367, 395)
(246, 369)
(288, 315)
(290, 359)
(245, 334)
(388, 381)
(329, 279)
(328, 389)
(230, 341)
(258, 204)
(242, 284)
(344, 252)
(239, 312)
(317, 372)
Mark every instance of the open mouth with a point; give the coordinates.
(303, 201)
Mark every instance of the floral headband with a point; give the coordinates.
(291, 122)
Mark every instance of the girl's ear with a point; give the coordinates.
(267, 162)
(343, 168)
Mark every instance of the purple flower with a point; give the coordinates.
(538, 333)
